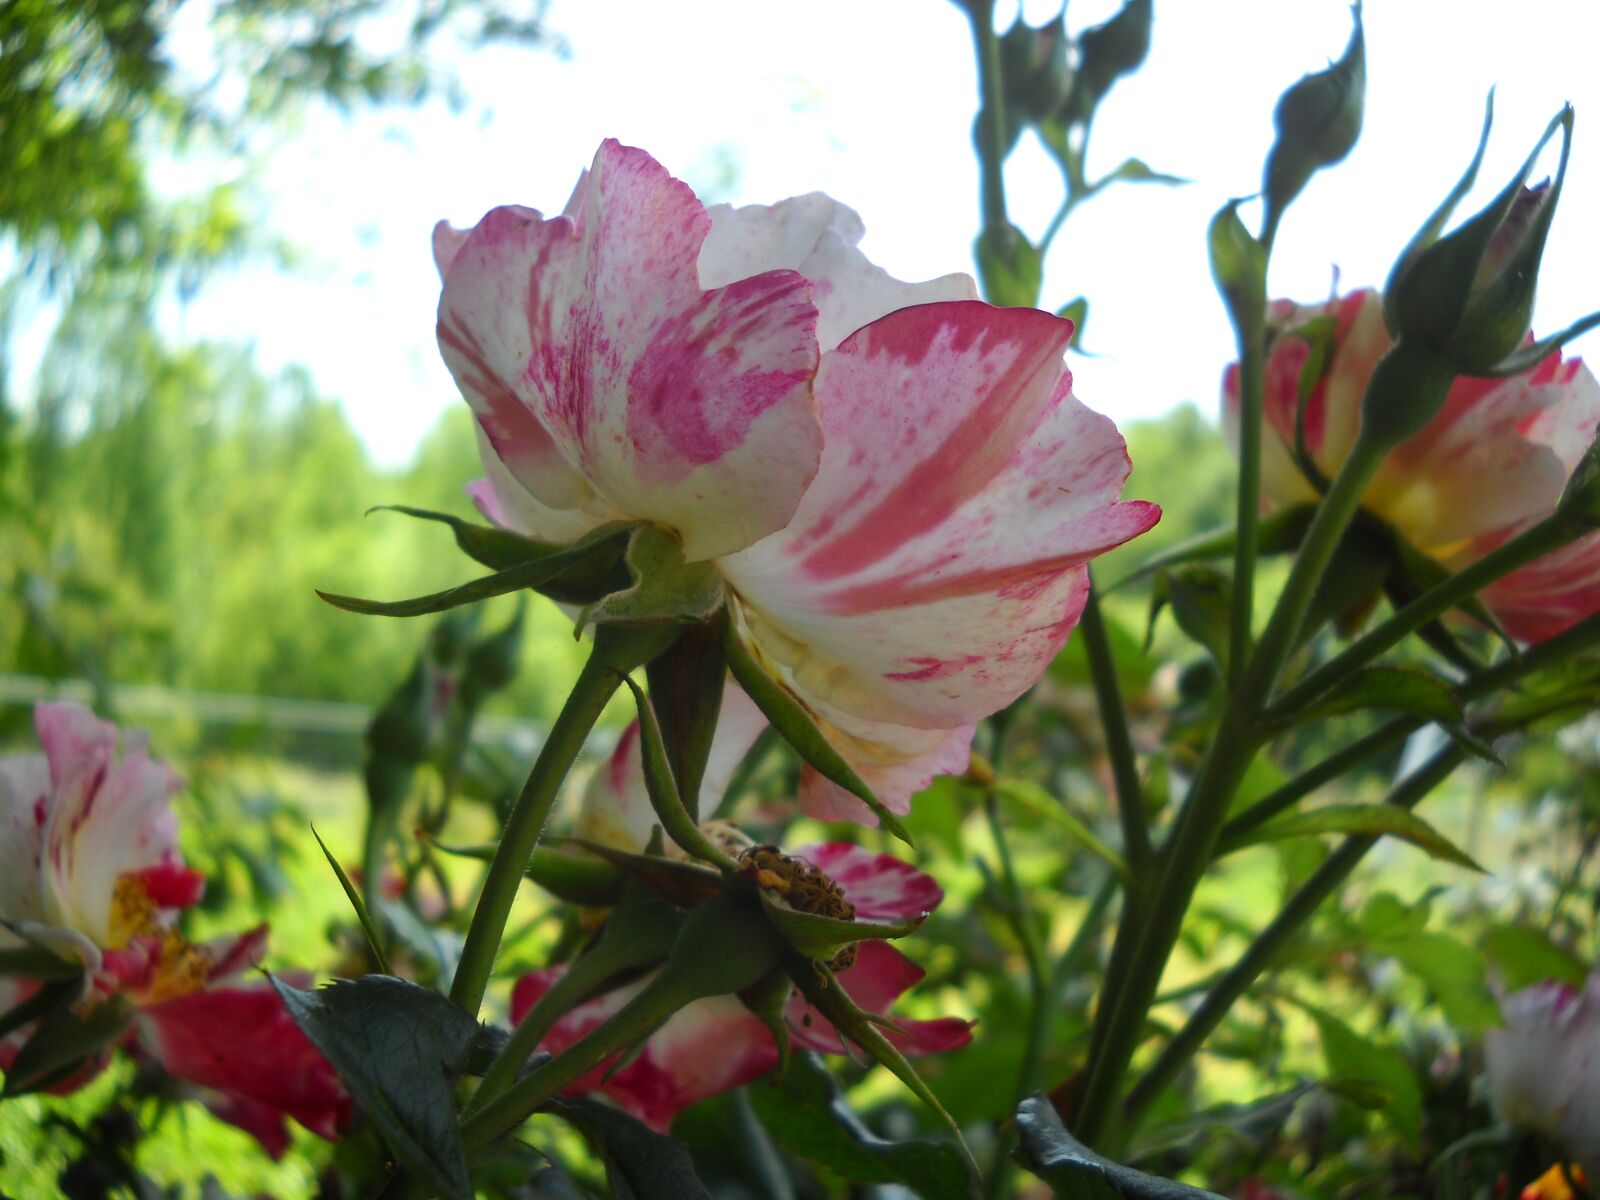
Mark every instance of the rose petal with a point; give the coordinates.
(817, 236)
(931, 571)
(241, 1042)
(606, 379)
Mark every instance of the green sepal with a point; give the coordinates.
(824, 993)
(36, 962)
(1077, 1173)
(663, 587)
(62, 1040)
(490, 545)
(1318, 121)
(577, 879)
(1075, 310)
(51, 996)
(821, 937)
(686, 686)
(591, 555)
(790, 718)
(663, 789)
(682, 883)
(1469, 296)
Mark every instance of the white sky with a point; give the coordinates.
(872, 101)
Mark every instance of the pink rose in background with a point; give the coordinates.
(894, 479)
(94, 873)
(1492, 462)
(1544, 1066)
(713, 1045)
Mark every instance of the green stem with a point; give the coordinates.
(1252, 367)
(1272, 940)
(1119, 742)
(1040, 991)
(616, 652)
(992, 145)
(1549, 534)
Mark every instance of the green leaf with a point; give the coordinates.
(63, 1040)
(374, 942)
(685, 884)
(598, 547)
(640, 1163)
(1453, 973)
(1352, 1058)
(1523, 956)
(1135, 170)
(664, 587)
(807, 1115)
(1076, 311)
(399, 1048)
(1040, 803)
(1371, 820)
(1412, 690)
(1074, 1172)
(790, 718)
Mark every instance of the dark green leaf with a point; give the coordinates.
(399, 1048)
(640, 1163)
(1075, 1172)
(806, 1114)
(1411, 690)
(1201, 599)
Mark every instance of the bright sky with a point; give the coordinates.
(872, 101)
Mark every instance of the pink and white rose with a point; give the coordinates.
(95, 874)
(894, 479)
(1544, 1065)
(1491, 463)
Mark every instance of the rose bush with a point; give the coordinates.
(894, 480)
